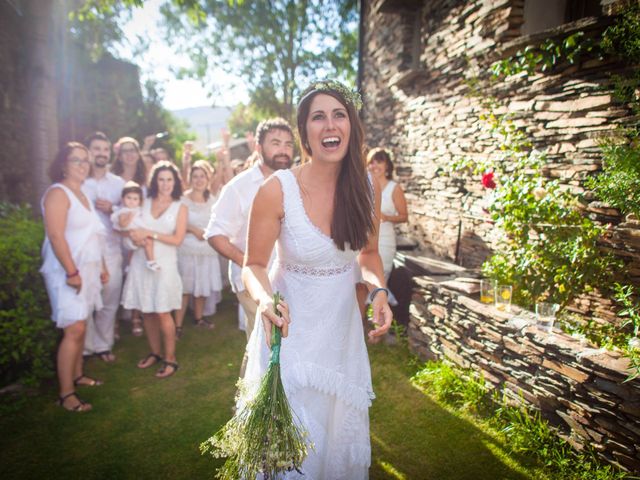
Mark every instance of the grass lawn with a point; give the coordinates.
(142, 427)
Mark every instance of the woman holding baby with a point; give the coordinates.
(157, 292)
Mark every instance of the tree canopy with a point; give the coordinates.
(276, 47)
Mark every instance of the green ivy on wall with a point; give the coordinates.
(549, 250)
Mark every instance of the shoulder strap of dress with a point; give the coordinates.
(288, 184)
(62, 187)
(391, 185)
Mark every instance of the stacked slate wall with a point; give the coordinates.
(419, 106)
(577, 387)
(416, 60)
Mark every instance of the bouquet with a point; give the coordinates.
(263, 436)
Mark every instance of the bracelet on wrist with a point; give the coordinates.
(74, 274)
(375, 291)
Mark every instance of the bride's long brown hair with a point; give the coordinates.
(353, 199)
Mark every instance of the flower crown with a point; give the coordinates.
(351, 96)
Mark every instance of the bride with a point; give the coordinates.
(324, 217)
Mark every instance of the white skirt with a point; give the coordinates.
(69, 306)
(200, 274)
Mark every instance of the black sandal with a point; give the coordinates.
(165, 365)
(92, 382)
(157, 358)
(81, 407)
(178, 333)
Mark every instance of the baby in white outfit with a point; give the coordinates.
(129, 217)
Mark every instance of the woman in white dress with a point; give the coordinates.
(393, 206)
(73, 268)
(322, 218)
(157, 293)
(198, 263)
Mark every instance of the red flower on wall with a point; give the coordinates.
(487, 180)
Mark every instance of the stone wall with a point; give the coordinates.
(420, 108)
(577, 388)
(416, 58)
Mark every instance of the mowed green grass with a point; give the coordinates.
(145, 428)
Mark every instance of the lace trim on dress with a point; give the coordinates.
(316, 271)
(306, 374)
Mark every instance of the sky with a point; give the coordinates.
(178, 94)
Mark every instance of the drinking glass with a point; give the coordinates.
(503, 297)
(487, 291)
(546, 316)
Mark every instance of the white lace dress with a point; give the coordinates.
(144, 289)
(324, 362)
(198, 262)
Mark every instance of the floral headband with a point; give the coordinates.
(351, 96)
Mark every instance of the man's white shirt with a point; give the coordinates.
(109, 187)
(230, 216)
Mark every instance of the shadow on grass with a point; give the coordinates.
(142, 427)
(413, 437)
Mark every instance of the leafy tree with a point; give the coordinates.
(276, 47)
(245, 118)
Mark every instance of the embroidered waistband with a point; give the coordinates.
(316, 271)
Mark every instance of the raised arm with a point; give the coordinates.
(223, 172)
(264, 229)
(373, 274)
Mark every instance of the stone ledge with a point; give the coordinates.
(580, 389)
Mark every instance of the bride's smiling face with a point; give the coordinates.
(328, 129)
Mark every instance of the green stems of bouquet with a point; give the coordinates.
(264, 436)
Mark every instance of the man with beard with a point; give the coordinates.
(103, 188)
(227, 229)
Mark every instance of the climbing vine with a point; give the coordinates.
(549, 249)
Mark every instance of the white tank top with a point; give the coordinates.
(84, 233)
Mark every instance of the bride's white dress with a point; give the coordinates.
(324, 362)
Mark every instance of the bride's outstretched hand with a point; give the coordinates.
(382, 318)
(269, 317)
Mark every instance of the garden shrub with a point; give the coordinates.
(27, 335)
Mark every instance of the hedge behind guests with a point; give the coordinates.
(27, 338)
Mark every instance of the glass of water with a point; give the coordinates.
(546, 315)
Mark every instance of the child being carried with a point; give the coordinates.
(129, 217)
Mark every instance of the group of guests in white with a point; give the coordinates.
(147, 237)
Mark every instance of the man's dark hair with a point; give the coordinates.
(96, 136)
(266, 126)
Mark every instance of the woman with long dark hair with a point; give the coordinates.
(157, 293)
(128, 163)
(322, 217)
(72, 267)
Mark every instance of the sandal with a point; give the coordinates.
(106, 356)
(137, 329)
(80, 407)
(144, 363)
(178, 333)
(166, 365)
(88, 382)
(201, 322)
